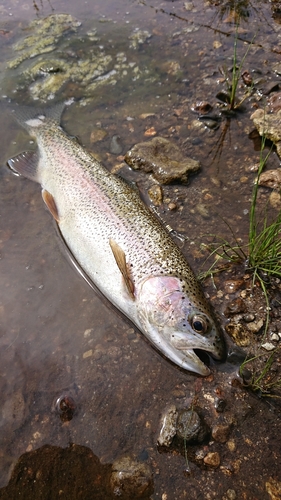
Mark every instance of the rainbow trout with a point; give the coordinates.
(120, 245)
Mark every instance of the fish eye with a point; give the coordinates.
(199, 324)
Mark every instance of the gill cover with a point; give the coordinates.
(176, 325)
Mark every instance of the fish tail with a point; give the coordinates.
(34, 117)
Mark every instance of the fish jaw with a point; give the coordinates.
(176, 325)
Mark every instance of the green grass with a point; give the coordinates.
(262, 380)
(261, 254)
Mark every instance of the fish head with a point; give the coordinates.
(177, 321)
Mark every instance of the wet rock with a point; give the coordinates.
(54, 472)
(231, 286)
(155, 193)
(275, 200)
(238, 334)
(247, 78)
(65, 407)
(220, 405)
(274, 102)
(271, 179)
(97, 135)
(163, 158)
(115, 146)
(236, 306)
(131, 479)
(230, 495)
(190, 427)
(220, 433)
(202, 107)
(268, 346)
(255, 326)
(168, 426)
(273, 488)
(249, 317)
(269, 126)
(212, 459)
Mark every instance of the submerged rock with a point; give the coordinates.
(190, 427)
(131, 479)
(163, 158)
(269, 125)
(185, 425)
(168, 426)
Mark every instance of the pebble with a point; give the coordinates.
(87, 354)
(115, 146)
(155, 193)
(190, 427)
(268, 346)
(255, 326)
(220, 433)
(273, 488)
(97, 135)
(238, 334)
(163, 158)
(168, 426)
(131, 479)
(236, 306)
(231, 286)
(212, 459)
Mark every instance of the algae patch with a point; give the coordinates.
(53, 56)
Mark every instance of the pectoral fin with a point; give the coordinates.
(25, 164)
(120, 258)
(50, 203)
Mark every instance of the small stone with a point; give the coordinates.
(155, 193)
(275, 337)
(249, 317)
(172, 206)
(190, 427)
(271, 178)
(268, 346)
(150, 132)
(220, 433)
(163, 158)
(238, 334)
(231, 286)
(115, 146)
(236, 306)
(231, 445)
(87, 354)
(168, 426)
(275, 200)
(212, 459)
(255, 326)
(131, 479)
(231, 494)
(273, 488)
(217, 44)
(97, 135)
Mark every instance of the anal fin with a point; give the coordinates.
(120, 258)
(50, 203)
(25, 164)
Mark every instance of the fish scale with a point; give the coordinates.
(120, 245)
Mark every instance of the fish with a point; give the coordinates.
(119, 244)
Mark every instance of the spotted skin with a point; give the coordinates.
(95, 207)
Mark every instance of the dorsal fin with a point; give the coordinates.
(51, 204)
(120, 258)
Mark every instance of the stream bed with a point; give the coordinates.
(83, 393)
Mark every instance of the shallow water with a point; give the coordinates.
(58, 337)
